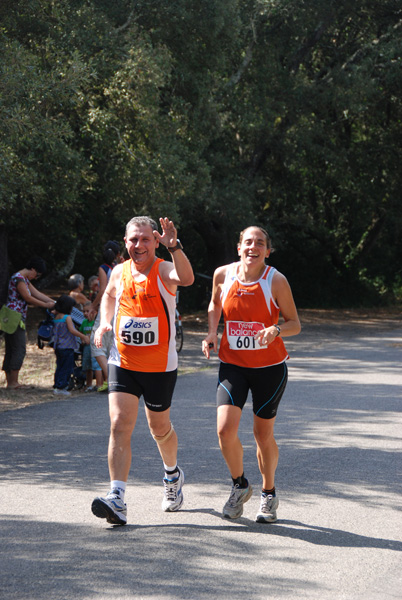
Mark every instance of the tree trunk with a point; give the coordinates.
(55, 276)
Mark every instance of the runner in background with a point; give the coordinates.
(253, 357)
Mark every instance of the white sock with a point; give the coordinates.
(169, 470)
(120, 486)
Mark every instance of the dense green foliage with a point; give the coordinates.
(218, 114)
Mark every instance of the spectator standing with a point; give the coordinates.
(111, 256)
(89, 364)
(22, 293)
(93, 284)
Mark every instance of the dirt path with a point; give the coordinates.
(39, 365)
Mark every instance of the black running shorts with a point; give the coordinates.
(266, 385)
(157, 388)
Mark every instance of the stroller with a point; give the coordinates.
(45, 338)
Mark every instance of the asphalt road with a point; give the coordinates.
(339, 482)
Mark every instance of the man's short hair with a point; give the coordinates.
(141, 222)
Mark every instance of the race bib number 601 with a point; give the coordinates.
(139, 331)
(241, 336)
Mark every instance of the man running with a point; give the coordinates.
(141, 296)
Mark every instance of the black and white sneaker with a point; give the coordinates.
(233, 508)
(111, 508)
(268, 506)
(173, 495)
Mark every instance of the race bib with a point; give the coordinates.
(241, 336)
(139, 331)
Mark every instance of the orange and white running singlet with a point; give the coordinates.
(248, 308)
(144, 327)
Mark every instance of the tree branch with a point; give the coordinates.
(369, 238)
(131, 153)
(309, 44)
(234, 80)
(362, 51)
(126, 24)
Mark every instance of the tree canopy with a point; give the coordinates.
(219, 115)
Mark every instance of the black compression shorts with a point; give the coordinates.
(266, 385)
(157, 388)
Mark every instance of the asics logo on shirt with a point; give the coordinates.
(137, 324)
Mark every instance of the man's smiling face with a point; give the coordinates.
(141, 245)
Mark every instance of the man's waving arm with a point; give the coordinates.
(180, 271)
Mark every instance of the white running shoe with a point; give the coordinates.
(111, 508)
(173, 494)
(61, 391)
(233, 508)
(267, 512)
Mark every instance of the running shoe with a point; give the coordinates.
(111, 508)
(233, 508)
(61, 392)
(103, 387)
(173, 494)
(268, 506)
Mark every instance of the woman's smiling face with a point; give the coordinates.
(253, 247)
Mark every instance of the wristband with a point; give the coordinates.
(278, 330)
(174, 248)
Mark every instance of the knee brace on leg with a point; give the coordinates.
(163, 439)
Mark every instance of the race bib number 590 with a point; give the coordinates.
(139, 331)
(241, 336)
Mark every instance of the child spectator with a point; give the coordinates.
(76, 285)
(89, 364)
(65, 343)
(93, 284)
